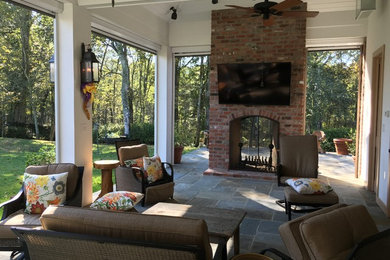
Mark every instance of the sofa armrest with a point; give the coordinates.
(77, 199)
(14, 204)
(372, 247)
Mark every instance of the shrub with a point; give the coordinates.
(45, 155)
(331, 133)
(144, 132)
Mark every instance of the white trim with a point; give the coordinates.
(334, 42)
(191, 50)
(47, 6)
(56, 94)
(102, 26)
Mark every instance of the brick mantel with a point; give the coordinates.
(239, 38)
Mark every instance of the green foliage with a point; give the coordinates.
(26, 95)
(45, 155)
(332, 133)
(191, 99)
(144, 132)
(332, 85)
(124, 103)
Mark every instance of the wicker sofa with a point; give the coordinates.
(83, 233)
(13, 209)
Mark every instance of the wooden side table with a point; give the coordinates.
(106, 166)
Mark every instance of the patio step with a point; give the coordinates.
(241, 174)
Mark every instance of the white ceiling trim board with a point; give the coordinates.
(91, 4)
(102, 26)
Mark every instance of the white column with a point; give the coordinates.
(73, 129)
(164, 105)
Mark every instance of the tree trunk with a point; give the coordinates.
(121, 50)
(25, 26)
(199, 103)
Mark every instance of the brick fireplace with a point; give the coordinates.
(239, 38)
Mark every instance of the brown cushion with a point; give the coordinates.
(333, 234)
(329, 198)
(299, 156)
(70, 168)
(134, 226)
(18, 219)
(291, 235)
(132, 152)
(158, 193)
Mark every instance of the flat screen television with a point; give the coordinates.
(254, 83)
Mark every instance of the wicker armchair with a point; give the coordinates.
(13, 209)
(134, 179)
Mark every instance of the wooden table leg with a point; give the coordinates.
(236, 241)
(106, 184)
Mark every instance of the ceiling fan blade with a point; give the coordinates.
(287, 4)
(300, 13)
(269, 21)
(240, 7)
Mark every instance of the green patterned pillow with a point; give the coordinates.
(118, 201)
(44, 190)
(309, 186)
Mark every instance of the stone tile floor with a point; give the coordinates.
(257, 197)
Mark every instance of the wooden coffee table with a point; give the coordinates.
(221, 223)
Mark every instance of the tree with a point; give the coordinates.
(26, 40)
(191, 98)
(332, 89)
(126, 91)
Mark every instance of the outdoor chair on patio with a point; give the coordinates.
(125, 142)
(130, 178)
(14, 214)
(337, 232)
(298, 158)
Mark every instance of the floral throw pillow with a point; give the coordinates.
(44, 190)
(118, 201)
(153, 168)
(309, 186)
(139, 162)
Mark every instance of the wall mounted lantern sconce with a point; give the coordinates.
(214, 2)
(89, 66)
(89, 76)
(174, 13)
(52, 69)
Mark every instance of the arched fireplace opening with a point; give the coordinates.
(253, 143)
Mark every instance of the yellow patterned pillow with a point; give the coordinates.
(44, 190)
(309, 185)
(153, 168)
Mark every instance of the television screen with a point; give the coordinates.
(254, 83)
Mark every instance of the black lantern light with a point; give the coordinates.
(52, 69)
(89, 66)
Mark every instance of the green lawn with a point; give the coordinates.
(13, 155)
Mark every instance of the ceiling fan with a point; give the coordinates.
(270, 9)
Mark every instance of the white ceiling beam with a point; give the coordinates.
(94, 4)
